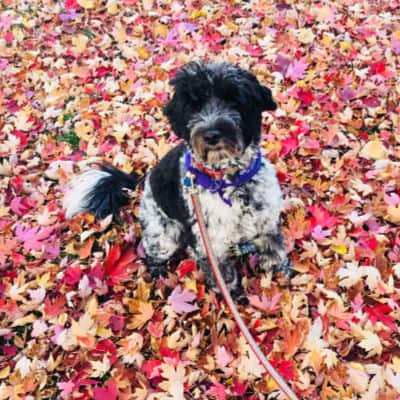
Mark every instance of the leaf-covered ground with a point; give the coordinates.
(86, 79)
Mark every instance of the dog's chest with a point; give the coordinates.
(254, 212)
(228, 225)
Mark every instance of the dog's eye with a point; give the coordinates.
(195, 105)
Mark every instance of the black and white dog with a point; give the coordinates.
(216, 109)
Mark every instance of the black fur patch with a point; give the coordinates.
(197, 83)
(109, 196)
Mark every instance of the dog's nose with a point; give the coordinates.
(212, 136)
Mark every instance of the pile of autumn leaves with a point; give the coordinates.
(79, 317)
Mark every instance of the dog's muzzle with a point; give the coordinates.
(215, 137)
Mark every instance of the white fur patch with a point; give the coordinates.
(76, 199)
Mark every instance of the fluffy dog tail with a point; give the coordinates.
(100, 192)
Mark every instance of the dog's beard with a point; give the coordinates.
(214, 154)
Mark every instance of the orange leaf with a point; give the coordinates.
(86, 249)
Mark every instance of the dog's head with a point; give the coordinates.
(217, 109)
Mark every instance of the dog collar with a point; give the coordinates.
(218, 184)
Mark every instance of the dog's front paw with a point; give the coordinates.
(239, 296)
(156, 269)
(285, 269)
(278, 264)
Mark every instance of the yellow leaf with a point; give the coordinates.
(143, 290)
(84, 129)
(4, 211)
(79, 43)
(126, 85)
(374, 150)
(160, 30)
(271, 384)
(4, 372)
(60, 120)
(43, 280)
(198, 13)
(112, 7)
(104, 332)
(393, 214)
(87, 3)
(395, 365)
(326, 40)
(119, 33)
(145, 312)
(191, 285)
(120, 131)
(371, 343)
(340, 249)
(142, 53)
(92, 305)
(24, 320)
(345, 45)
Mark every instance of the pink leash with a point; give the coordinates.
(231, 305)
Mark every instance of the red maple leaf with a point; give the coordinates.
(289, 145)
(72, 275)
(185, 267)
(379, 312)
(152, 368)
(106, 346)
(238, 387)
(321, 217)
(119, 264)
(55, 308)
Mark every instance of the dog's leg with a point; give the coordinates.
(230, 273)
(155, 267)
(272, 254)
(161, 236)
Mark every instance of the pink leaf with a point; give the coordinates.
(320, 234)
(39, 239)
(266, 304)
(393, 199)
(223, 357)
(296, 69)
(67, 389)
(217, 390)
(20, 205)
(357, 303)
(106, 393)
(179, 300)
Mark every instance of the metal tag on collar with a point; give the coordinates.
(188, 180)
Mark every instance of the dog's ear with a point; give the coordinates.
(260, 93)
(174, 111)
(266, 100)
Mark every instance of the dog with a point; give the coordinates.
(216, 109)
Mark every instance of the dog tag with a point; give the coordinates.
(188, 180)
